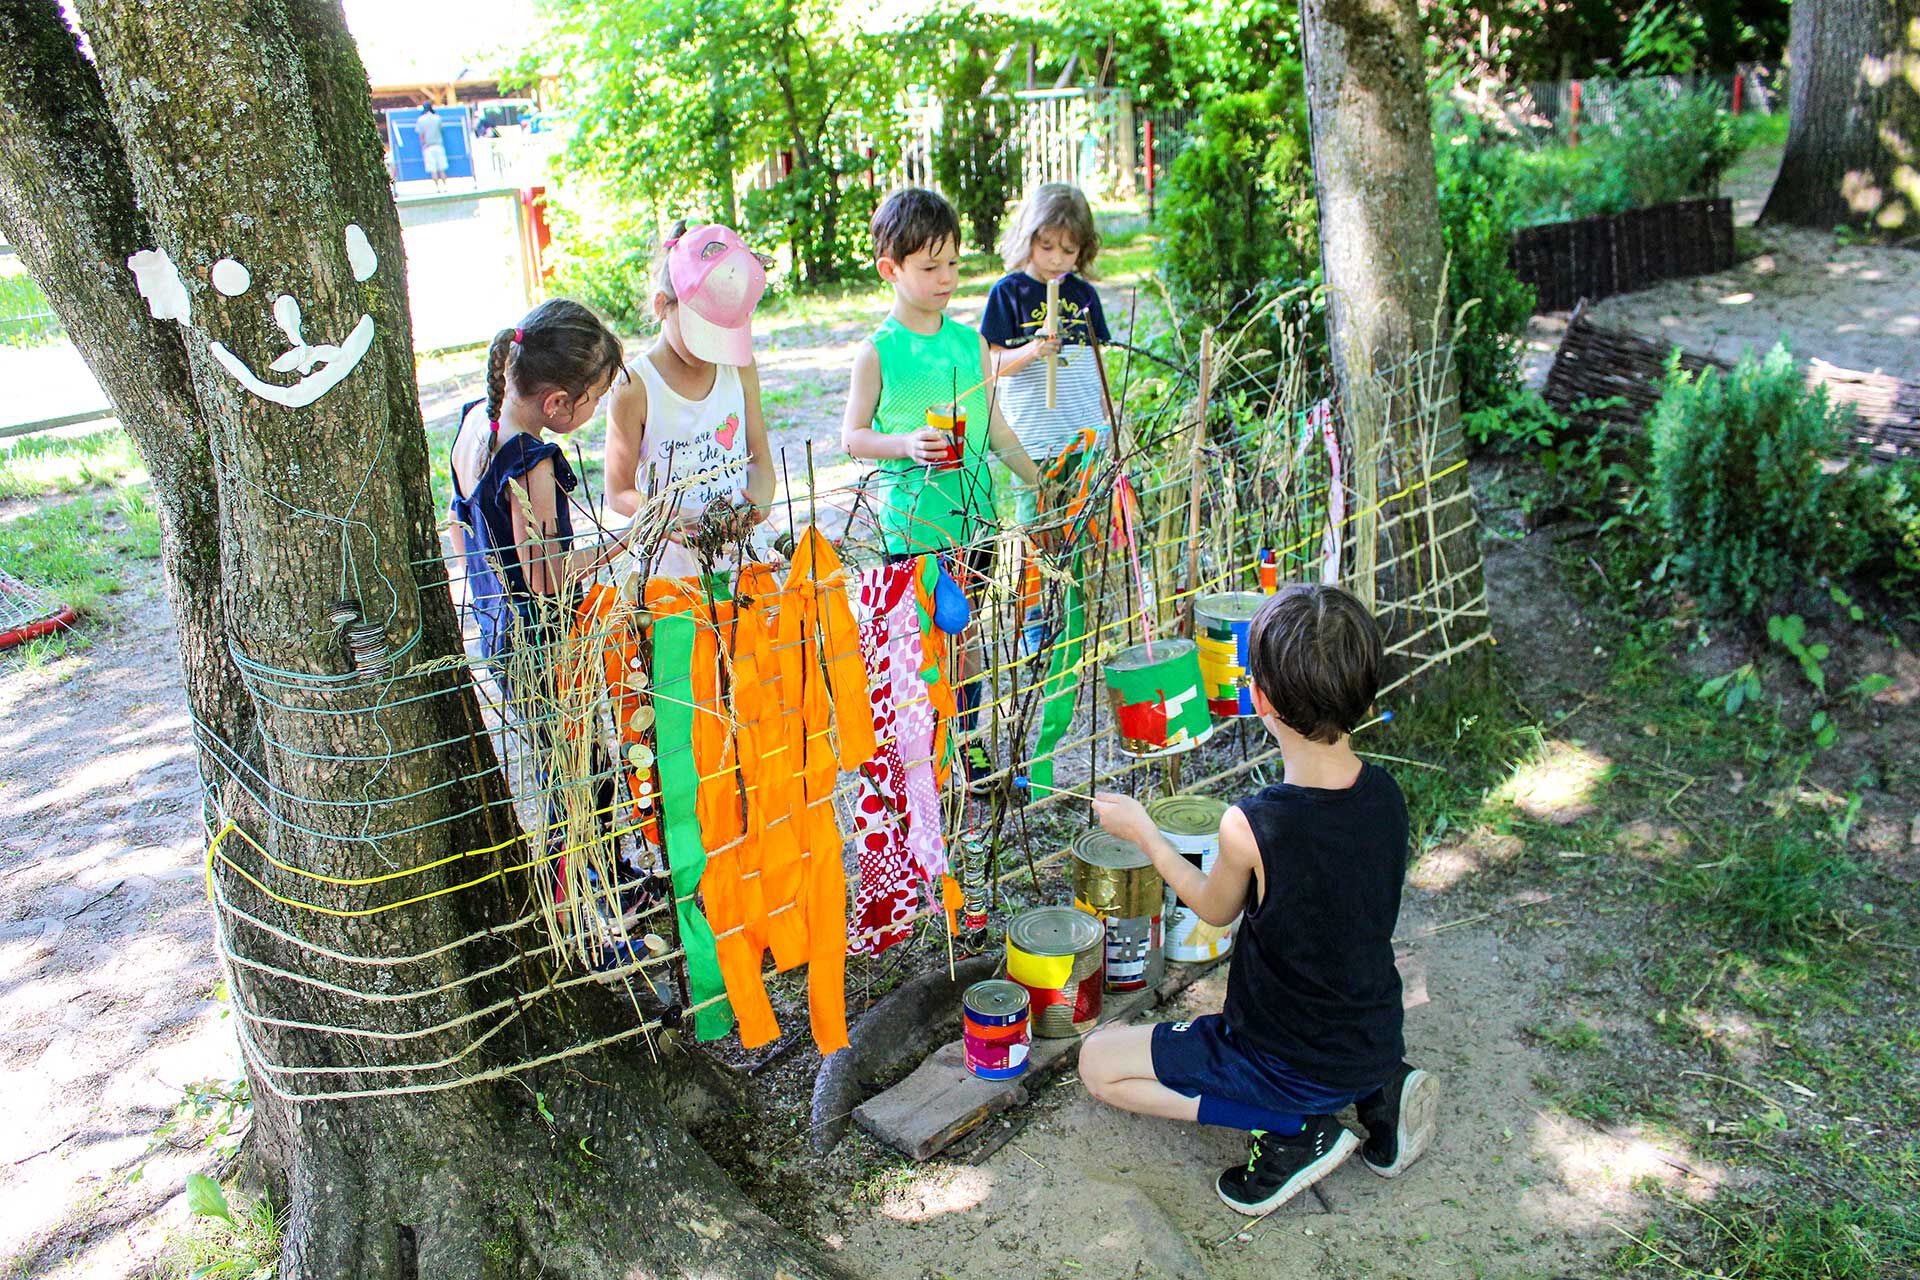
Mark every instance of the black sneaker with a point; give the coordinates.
(1280, 1168)
(1399, 1119)
(979, 767)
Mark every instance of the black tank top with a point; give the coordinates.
(1312, 979)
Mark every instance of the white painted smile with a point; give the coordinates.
(334, 362)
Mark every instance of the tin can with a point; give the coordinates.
(951, 419)
(1158, 709)
(1191, 824)
(996, 1028)
(1059, 955)
(1220, 625)
(1116, 882)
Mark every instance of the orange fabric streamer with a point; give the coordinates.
(729, 903)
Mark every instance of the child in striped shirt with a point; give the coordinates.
(1052, 238)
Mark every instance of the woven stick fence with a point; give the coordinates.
(1598, 257)
(1602, 376)
(1216, 481)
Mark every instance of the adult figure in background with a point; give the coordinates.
(433, 148)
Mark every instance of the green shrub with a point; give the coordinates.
(1477, 218)
(1239, 217)
(1883, 502)
(609, 268)
(1737, 474)
(1667, 146)
(822, 213)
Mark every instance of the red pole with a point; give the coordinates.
(1739, 81)
(1573, 118)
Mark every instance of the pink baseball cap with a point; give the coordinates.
(718, 281)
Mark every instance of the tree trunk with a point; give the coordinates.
(1383, 262)
(368, 889)
(1853, 138)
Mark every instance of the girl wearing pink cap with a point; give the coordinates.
(687, 433)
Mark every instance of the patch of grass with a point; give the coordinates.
(1777, 891)
(78, 551)
(34, 466)
(1456, 735)
(26, 319)
(1793, 1240)
(224, 1244)
(1575, 1037)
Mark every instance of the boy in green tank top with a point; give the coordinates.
(919, 359)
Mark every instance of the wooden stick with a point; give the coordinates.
(1196, 478)
(1050, 328)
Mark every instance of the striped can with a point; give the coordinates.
(1191, 824)
(996, 1033)
(1059, 955)
(1113, 880)
(1220, 626)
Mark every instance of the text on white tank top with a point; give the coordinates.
(697, 446)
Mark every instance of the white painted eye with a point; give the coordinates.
(231, 277)
(360, 254)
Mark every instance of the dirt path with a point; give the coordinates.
(106, 966)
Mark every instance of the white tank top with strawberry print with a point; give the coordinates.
(696, 448)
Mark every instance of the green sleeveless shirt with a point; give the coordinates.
(921, 509)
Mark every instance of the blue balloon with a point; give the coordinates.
(951, 612)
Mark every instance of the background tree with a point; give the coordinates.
(674, 103)
(261, 148)
(1853, 144)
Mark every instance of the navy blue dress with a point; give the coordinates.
(496, 582)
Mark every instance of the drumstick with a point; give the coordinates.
(1051, 329)
(1026, 784)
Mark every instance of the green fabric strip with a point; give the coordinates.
(679, 785)
(1062, 687)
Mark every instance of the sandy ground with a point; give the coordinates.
(106, 963)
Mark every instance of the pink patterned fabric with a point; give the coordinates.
(884, 902)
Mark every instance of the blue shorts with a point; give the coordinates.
(1203, 1058)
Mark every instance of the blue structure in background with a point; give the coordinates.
(456, 135)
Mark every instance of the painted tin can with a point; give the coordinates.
(1059, 955)
(1220, 624)
(1158, 708)
(953, 420)
(1116, 882)
(996, 1034)
(1191, 824)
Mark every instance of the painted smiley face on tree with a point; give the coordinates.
(321, 367)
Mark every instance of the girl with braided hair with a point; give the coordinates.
(547, 375)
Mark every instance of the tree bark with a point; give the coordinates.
(1853, 138)
(358, 962)
(1383, 262)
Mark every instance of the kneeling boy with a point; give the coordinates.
(1312, 1019)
